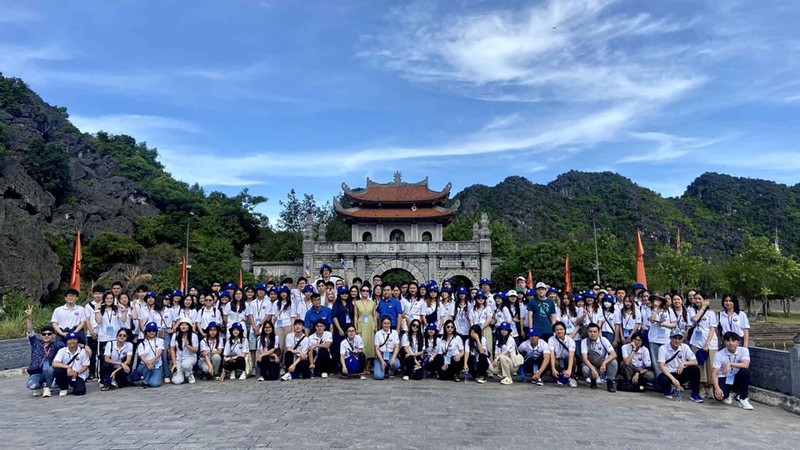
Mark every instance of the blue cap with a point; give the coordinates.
(480, 294)
(431, 326)
(151, 326)
(225, 295)
(324, 267)
(638, 286)
(212, 325)
(432, 283)
(577, 297)
(342, 290)
(552, 289)
(589, 294)
(530, 292)
(284, 289)
(230, 286)
(433, 288)
(485, 281)
(261, 287)
(177, 293)
(308, 288)
(446, 289)
(461, 290)
(505, 326)
(609, 298)
(237, 326)
(150, 294)
(71, 335)
(446, 280)
(533, 332)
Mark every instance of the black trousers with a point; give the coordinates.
(64, 381)
(97, 351)
(323, 361)
(120, 377)
(301, 370)
(410, 362)
(433, 365)
(741, 384)
(234, 364)
(477, 366)
(528, 364)
(690, 374)
(453, 370)
(269, 368)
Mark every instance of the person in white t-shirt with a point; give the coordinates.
(476, 354)
(236, 354)
(599, 359)
(295, 356)
(412, 344)
(506, 358)
(319, 351)
(537, 357)
(351, 354)
(678, 367)
(451, 348)
(636, 365)
(704, 340)
(731, 372)
(268, 353)
(117, 362)
(69, 317)
(731, 318)
(149, 353)
(387, 347)
(562, 358)
(183, 352)
(71, 367)
(211, 348)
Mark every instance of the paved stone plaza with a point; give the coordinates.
(390, 414)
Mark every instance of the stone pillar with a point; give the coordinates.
(247, 259)
(308, 245)
(433, 264)
(485, 246)
(794, 365)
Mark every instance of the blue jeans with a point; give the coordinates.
(151, 378)
(378, 371)
(654, 348)
(165, 354)
(42, 380)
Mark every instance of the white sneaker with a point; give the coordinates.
(728, 400)
(481, 380)
(166, 380)
(745, 404)
(286, 377)
(588, 380)
(405, 377)
(243, 376)
(46, 392)
(324, 375)
(191, 379)
(37, 392)
(573, 383)
(63, 393)
(260, 378)
(506, 381)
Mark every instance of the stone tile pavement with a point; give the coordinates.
(336, 413)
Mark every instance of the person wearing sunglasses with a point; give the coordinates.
(43, 351)
(451, 347)
(412, 343)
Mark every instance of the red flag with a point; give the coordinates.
(75, 275)
(567, 276)
(529, 281)
(241, 283)
(678, 242)
(183, 275)
(640, 275)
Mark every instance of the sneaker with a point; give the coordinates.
(362, 377)
(728, 400)
(559, 381)
(457, 379)
(481, 380)
(573, 383)
(611, 386)
(588, 380)
(324, 375)
(166, 380)
(745, 404)
(538, 382)
(46, 392)
(243, 376)
(507, 381)
(405, 377)
(260, 378)
(286, 377)
(63, 393)
(191, 379)
(216, 378)
(696, 397)
(670, 393)
(37, 392)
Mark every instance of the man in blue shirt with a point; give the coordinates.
(541, 310)
(318, 312)
(389, 307)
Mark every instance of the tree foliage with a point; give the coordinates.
(106, 249)
(48, 164)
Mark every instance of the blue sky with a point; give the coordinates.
(279, 94)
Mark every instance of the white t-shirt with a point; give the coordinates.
(345, 347)
(593, 316)
(510, 345)
(185, 353)
(453, 346)
(68, 317)
(386, 342)
(300, 343)
(645, 312)
(163, 319)
(627, 322)
(601, 346)
(658, 333)
(461, 319)
(238, 347)
(82, 360)
(149, 348)
(190, 314)
(504, 315)
(735, 322)
(406, 341)
(418, 310)
(557, 346)
(109, 325)
(258, 309)
(724, 357)
(570, 321)
(236, 317)
(89, 309)
(707, 324)
(446, 311)
(666, 352)
(315, 339)
(276, 344)
(527, 349)
(116, 353)
(641, 359)
(430, 347)
(479, 316)
(283, 316)
(207, 315)
(206, 346)
(473, 351)
(299, 309)
(609, 321)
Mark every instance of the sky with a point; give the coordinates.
(274, 95)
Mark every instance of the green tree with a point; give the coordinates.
(293, 216)
(106, 249)
(671, 270)
(48, 164)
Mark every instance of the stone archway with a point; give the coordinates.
(398, 264)
(461, 273)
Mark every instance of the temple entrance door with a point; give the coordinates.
(397, 276)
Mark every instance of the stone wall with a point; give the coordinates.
(770, 369)
(15, 353)
(277, 270)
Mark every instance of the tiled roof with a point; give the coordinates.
(436, 213)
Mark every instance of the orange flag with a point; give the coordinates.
(529, 281)
(241, 283)
(75, 276)
(640, 275)
(678, 242)
(567, 276)
(183, 275)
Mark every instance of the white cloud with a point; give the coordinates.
(669, 147)
(141, 127)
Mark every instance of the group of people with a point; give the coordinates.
(632, 340)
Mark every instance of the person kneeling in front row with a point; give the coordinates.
(351, 354)
(537, 357)
(319, 351)
(295, 357)
(731, 372)
(236, 354)
(678, 365)
(506, 358)
(599, 359)
(43, 351)
(71, 367)
(636, 364)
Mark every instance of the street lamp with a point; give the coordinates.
(596, 255)
(188, 220)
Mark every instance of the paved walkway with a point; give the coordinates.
(337, 413)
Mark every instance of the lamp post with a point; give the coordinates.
(596, 255)
(188, 221)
